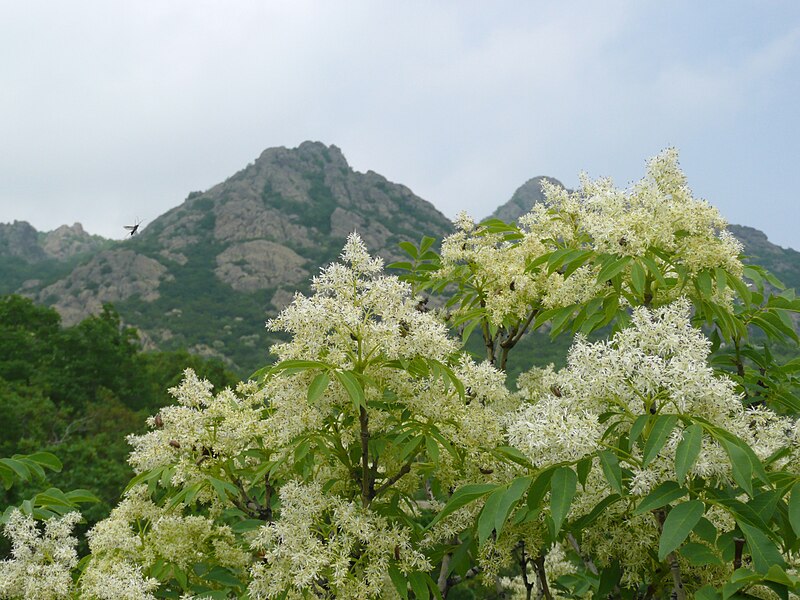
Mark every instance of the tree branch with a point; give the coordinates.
(738, 545)
(396, 477)
(366, 474)
(587, 561)
(538, 565)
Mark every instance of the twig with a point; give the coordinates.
(538, 565)
(394, 478)
(587, 561)
(366, 484)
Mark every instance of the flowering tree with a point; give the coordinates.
(377, 459)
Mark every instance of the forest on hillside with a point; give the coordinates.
(78, 391)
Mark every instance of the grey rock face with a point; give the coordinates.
(528, 194)
(66, 242)
(260, 264)
(21, 240)
(111, 276)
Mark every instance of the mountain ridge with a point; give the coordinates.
(207, 273)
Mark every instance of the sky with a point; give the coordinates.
(112, 112)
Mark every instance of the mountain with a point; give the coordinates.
(782, 262)
(208, 273)
(521, 202)
(30, 258)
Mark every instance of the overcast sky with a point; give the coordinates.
(112, 111)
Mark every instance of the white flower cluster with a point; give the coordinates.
(360, 319)
(658, 212)
(356, 313)
(201, 432)
(497, 268)
(325, 544)
(658, 365)
(42, 561)
(138, 533)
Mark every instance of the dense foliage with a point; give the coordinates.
(377, 459)
(77, 391)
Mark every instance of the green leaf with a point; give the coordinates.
(586, 520)
(513, 455)
(223, 489)
(246, 525)
(539, 487)
(662, 428)
(426, 242)
(223, 576)
(583, 467)
(652, 267)
(46, 459)
(318, 387)
(145, 476)
(562, 490)
(298, 364)
(794, 508)
(609, 578)
(778, 575)
(679, 523)
(411, 446)
(399, 581)
(704, 283)
(419, 585)
(462, 497)
(22, 471)
(52, 497)
(433, 449)
(180, 576)
(762, 550)
(409, 248)
(510, 498)
(688, 450)
(259, 374)
(612, 268)
(707, 592)
(488, 515)
(81, 495)
(638, 278)
(699, 555)
(611, 469)
(741, 288)
(404, 265)
(740, 578)
(740, 463)
(560, 319)
(721, 278)
(638, 427)
(667, 492)
(706, 531)
(352, 387)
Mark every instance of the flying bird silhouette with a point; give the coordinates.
(133, 228)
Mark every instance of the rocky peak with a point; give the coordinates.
(68, 241)
(528, 194)
(20, 240)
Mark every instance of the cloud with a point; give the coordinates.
(120, 110)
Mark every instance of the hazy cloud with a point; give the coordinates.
(118, 110)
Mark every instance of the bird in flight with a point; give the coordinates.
(133, 228)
